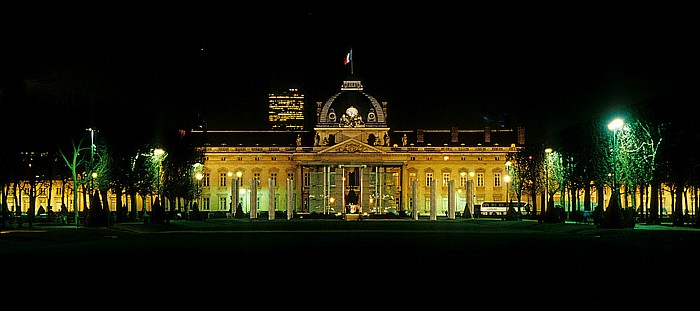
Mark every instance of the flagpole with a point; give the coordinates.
(351, 65)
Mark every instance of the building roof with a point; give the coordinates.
(352, 109)
(430, 137)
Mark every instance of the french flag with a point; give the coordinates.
(348, 58)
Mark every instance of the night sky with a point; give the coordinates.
(437, 66)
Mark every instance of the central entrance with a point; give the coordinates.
(353, 189)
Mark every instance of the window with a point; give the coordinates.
(222, 203)
(222, 180)
(428, 179)
(273, 177)
(479, 179)
(205, 180)
(497, 179)
(256, 176)
(307, 179)
(290, 176)
(445, 179)
(205, 204)
(463, 180)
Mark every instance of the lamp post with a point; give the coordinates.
(197, 190)
(92, 158)
(233, 192)
(236, 193)
(471, 194)
(614, 126)
(547, 152)
(464, 184)
(506, 178)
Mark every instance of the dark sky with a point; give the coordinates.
(437, 66)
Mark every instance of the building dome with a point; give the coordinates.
(351, 107)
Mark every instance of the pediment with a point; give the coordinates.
(351, 146)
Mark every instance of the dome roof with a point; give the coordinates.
(352, 107)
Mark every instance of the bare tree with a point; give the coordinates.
(73, 163)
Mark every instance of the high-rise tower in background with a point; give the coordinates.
(286, 109)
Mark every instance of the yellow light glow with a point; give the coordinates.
(239, 174)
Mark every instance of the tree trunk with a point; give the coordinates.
(533, 195)
(654, 204)
(678, 210)
(104, 197)
(134, 205)
(587, 197)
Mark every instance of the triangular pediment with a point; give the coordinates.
(351, 146)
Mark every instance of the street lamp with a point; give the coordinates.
(614, 126)
(547, 152)
(235, 192)
(507, 180)
(91, 164)
(471, 195)
(508, 177)
(197, 195)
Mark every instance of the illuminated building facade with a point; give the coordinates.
(353, 163)
(286, 109)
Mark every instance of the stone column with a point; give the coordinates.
(451, 199)
(433, 207)
(414, 199)
(271, 199)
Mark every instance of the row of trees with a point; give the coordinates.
(656, 149)
(131, 166)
